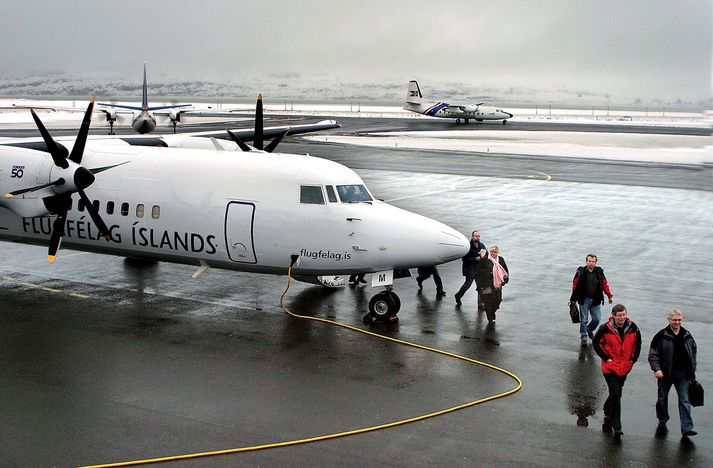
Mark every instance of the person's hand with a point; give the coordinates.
(658, 374)
(610, 300)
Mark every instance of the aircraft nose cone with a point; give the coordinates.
(510, 115)
(452, 245)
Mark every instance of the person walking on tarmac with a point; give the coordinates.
(588, 288)
(424, 273)
(472, 261)
(672, 357)
(618, 344)
(490, 280)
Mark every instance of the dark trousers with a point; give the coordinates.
(469, 279)
(425, 273)
(492, 302)
(681, 381)
(612, 407)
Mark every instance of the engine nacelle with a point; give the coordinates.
(174, 115)
(110, 114)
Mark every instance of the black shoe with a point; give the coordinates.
(689, 433)
(420, 284)
(618, 434)
(583, 344)
(362, 280)
(440, 293)
(606, 426)
(458, 301)
(590, 334)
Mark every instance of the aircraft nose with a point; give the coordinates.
(510, 116)
(452, 245)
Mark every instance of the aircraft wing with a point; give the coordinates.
(247, 134)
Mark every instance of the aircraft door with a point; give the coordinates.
(239, 217)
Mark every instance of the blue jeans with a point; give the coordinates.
(584, 311)
(681, 381)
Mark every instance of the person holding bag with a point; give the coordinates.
(672, 357)
(490, 280)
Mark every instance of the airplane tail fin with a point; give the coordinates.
(145, 93)
(413, 96)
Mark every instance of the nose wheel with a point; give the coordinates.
(383, 307)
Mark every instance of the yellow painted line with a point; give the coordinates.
(46, 289)
(52, 290)
(79, 296)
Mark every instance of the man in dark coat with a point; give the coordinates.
(672, 357)
(618, 343)
(588, 288)
(472, 261)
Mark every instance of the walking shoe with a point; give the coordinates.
(590, 334)
(420, 283)
(618, 433)
(689, 433)
(606, 426)
(583, 343)
(362, 280)
(440, 293)
(458, 301)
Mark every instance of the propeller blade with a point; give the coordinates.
(59, 153)
(78, 148)
(258, 140)
(96, 218)
(273, 144)
(57, 235)
(97, 170)
(59, 181)
(238, 141)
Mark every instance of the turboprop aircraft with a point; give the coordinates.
(416, 103)
(250, 211)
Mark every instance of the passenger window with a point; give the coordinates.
(331, 196)
(124, 209)
(156, 212)
(110, 207)
(140, 210)
(80, 205)
(311, 195)
(96, 205)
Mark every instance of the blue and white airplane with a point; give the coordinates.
(144, 120)
(416, 103)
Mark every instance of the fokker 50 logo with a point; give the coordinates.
(17, 171)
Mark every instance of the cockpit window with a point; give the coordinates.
(311, 195)
(331, 196)
(353, 193)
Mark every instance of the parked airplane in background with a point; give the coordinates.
(416, 103)
(214, 208)
(143, 120)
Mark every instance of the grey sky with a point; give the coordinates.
(638, 48)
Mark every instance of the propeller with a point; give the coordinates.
(82, 179)
(259, 138)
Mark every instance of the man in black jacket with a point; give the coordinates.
(672, 357)
(471, 262)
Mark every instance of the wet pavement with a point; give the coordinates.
(105, 360)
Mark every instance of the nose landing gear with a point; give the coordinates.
(383, 307)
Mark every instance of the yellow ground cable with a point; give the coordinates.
(346, 433)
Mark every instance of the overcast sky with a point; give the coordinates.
(640, 48)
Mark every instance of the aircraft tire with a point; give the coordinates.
(382, 305)
(478, 120)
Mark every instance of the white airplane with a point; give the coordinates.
(251, 211)
(416, 103)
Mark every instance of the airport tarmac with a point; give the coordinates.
(105, 360)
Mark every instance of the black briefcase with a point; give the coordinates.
(573, 311)
(695, 393)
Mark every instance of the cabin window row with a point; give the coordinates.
(124, 208)
(314, 194)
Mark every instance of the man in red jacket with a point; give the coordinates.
(618, 343)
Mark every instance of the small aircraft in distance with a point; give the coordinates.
(214, 208)
(416, 103)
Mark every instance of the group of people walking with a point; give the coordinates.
(672, 353)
